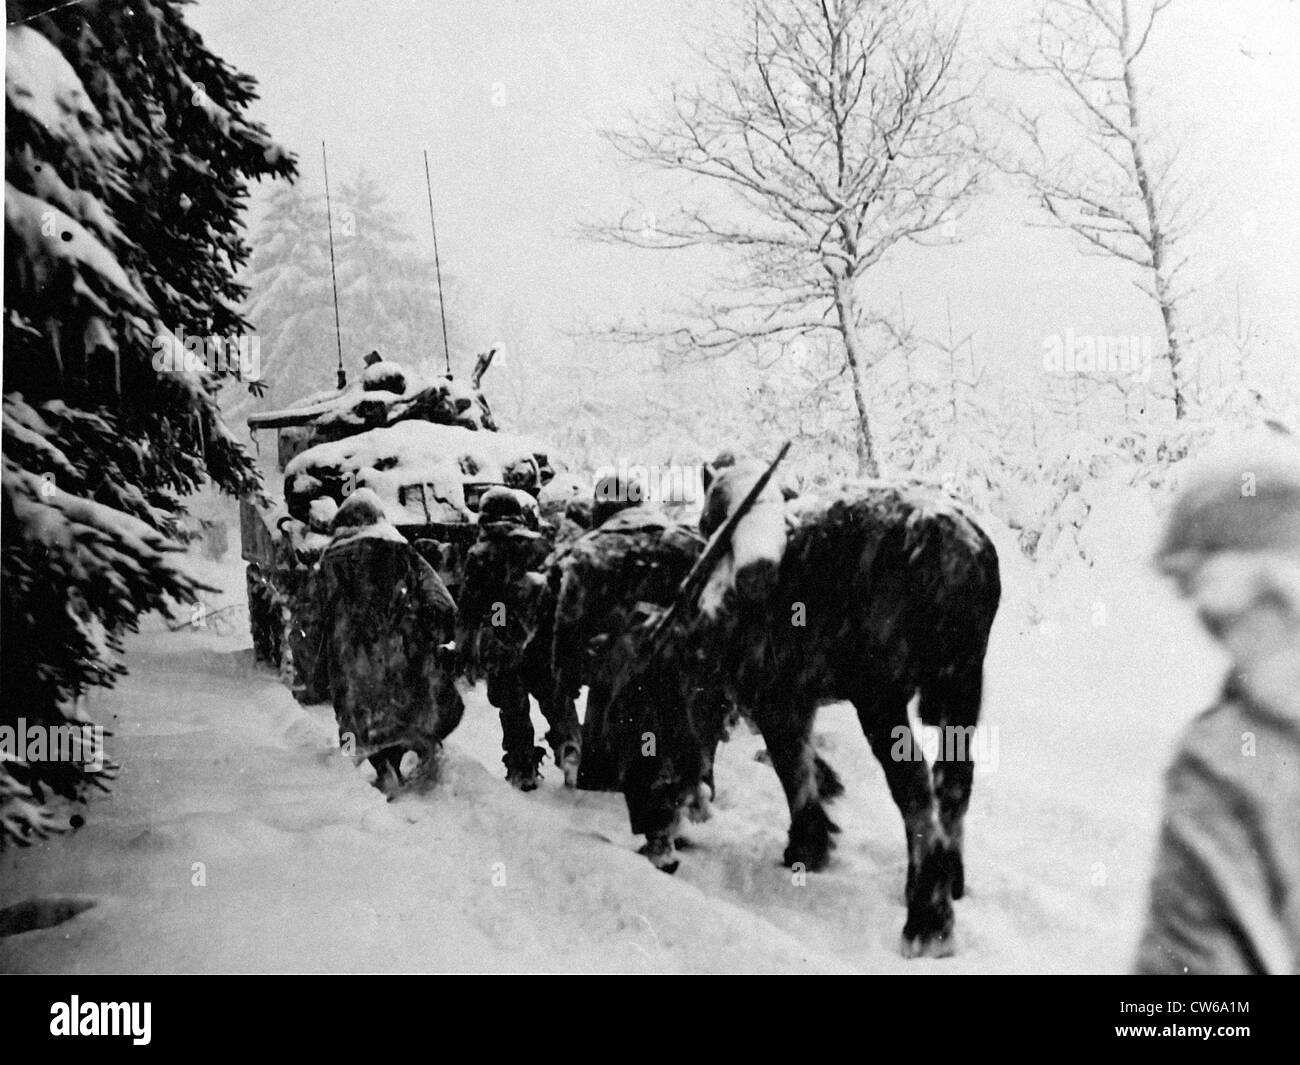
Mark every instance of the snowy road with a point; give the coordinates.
(237, 839)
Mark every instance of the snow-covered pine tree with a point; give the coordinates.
(388, 296)
(128, 154)
(387, 288)
(290, 301)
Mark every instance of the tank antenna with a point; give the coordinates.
(329, 219)
(442, 308)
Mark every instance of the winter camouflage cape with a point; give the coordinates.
(385, 616)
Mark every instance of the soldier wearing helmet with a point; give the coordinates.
(1225, 896)
(504, 633)
(385, 619)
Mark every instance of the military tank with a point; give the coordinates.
(426, 444)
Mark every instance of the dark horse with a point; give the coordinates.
(885, 593)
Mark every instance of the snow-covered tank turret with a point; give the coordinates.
(426, 445)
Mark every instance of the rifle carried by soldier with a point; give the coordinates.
(689, 590)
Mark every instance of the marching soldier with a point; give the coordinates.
(608, 584)
(386, 621)
(505, 634)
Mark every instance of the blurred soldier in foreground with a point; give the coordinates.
(1225, 897)
(386, 619)
(505, 635)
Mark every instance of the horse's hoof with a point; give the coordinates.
(928, 934)
(811, 839)
(660, 852)
(931, 946)
(524, 779)
(811, 861)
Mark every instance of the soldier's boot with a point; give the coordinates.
(653, 807)
(388, 772)
(522, 773)
(565, 739)
(658, 847)
(564, 732)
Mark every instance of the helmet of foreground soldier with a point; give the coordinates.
(1244, 498)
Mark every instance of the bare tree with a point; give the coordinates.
(1106, 176)
(835, 130)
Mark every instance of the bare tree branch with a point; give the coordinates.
(1105, 178)
(835, 130)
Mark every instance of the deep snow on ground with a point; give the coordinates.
(308, 868)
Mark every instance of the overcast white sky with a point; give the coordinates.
(381, 80)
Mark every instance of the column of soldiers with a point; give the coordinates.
(551, 593)
(565, 595)
(548, 598)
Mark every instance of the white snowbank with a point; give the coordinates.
(239, 839)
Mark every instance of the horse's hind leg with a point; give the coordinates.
(787, 734)
(929, 871)
(954, 705)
